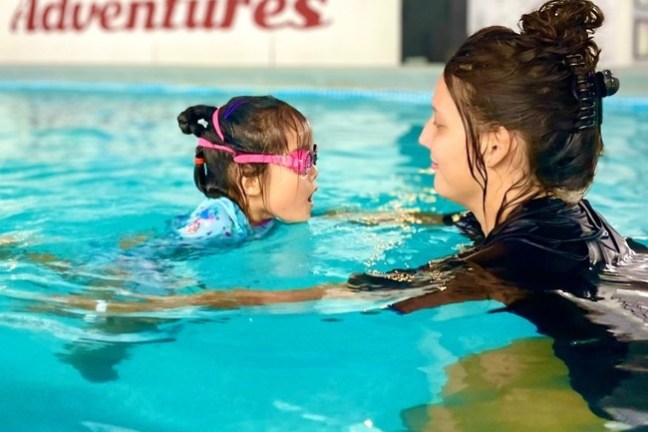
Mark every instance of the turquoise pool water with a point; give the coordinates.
(84, 167)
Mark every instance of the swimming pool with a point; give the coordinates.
(85, 167)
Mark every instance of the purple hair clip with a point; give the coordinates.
(230, 109)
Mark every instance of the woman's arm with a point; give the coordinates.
(477, 284)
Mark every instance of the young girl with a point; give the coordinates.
(255, 162)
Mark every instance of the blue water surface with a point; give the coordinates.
(83, 169)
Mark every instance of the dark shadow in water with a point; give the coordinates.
(101, 342)
(595, 333)
(96, 360)
(521, 387)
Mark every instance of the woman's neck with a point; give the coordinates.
(501, 202)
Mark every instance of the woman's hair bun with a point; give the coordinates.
(564, 24)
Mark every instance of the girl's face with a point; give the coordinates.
(288, 196)
(444, 135)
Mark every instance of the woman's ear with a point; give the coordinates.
(498, 146)
(251, 185)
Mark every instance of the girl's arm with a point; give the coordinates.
(230, 299)
(422, 288)
(7, 240)
(10, 249)
(396, 217)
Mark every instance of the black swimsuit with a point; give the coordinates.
(565, 269)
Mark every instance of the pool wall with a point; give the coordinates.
(634, 80)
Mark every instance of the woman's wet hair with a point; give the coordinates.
(536, 84)
(250, 124)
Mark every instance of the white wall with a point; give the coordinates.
(615, 37)
(259, 33)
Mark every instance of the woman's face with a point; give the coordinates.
(444, 135)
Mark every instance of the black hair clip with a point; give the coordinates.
(590, 89)
(605, 83)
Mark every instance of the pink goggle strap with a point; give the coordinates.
(202, 142)
(216, 124)
(207, 144)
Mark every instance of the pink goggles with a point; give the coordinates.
(299, 161)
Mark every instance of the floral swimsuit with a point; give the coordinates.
(220, 219)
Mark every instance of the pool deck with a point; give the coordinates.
(634, 80)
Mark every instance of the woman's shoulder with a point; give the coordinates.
(568, 232)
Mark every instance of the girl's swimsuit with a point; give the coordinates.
(220, 220)
(215, 224)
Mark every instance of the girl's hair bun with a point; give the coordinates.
(196, 120)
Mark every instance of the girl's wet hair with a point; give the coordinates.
(527, 82)
(250, 124)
